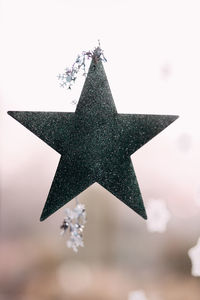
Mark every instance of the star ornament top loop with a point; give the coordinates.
(95, 143)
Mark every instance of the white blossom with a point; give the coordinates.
(74, 223)
(194, 255)
(158, 216)
(137, 295)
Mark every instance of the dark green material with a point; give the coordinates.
(95, 144)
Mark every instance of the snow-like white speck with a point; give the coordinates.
(158, 216)
(137, 295)
(194, 255)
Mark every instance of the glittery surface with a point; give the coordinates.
(95, 144)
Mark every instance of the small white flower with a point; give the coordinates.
(194, 255)
(71, 244)
(137, 295)
(74, 225)
(70, 213)
(68, 78)
(158, 216)
(79, 209)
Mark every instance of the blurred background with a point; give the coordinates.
(153, 67)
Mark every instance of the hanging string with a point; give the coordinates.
(68, 78)
(75, 220)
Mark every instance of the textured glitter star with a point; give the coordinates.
(95, 144)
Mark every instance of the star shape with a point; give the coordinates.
(95, 144)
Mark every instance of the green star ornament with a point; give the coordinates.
(95, 144)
